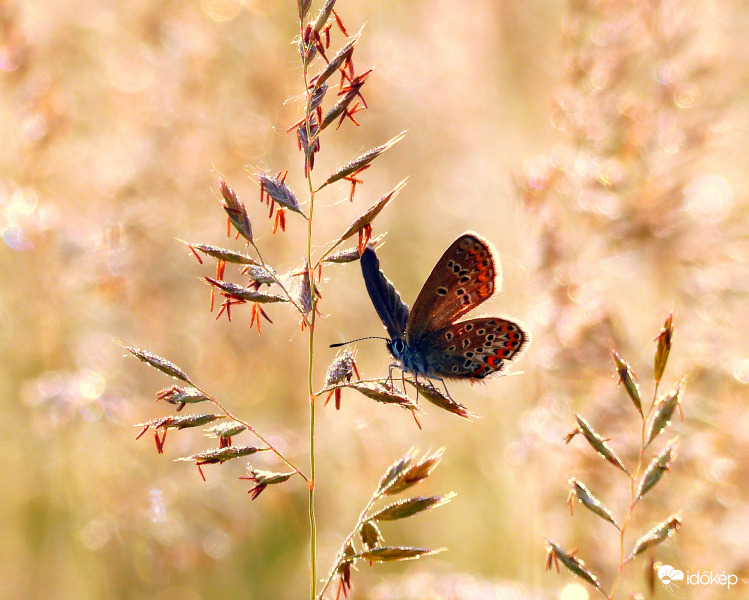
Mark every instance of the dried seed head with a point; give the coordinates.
(341, 108)
(599, 444)
(157, 362)
(348, 255)
(413, 473)
(664, 411)
(372, 212)
(267, 477)
(179, 422)
(260, 275)
(410, 507)
(303, 8)
(657, 468)
(230, 256)
(225, 430)
(232, 290)
(323, 16)
(306, 45)
(440, 400)
(656, 535)
(181, 396)
(220, 455)
(341, 368)
(382, 393)
(370, 535)
(317, 97)
(344, 569)
(580, 492)
(338, 61)
(263, 479)
(573, 564)
(279, 192)
(236, 210)
(628, 379)
(395, 471)
(304, 141)
(304, 290)
(663, 348)
(397, 553)
(360, 162)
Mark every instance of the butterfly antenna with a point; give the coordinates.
(373, 337)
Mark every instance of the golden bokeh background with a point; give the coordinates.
(600, 145)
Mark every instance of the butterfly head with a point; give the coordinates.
(411, 359)
(397, 347)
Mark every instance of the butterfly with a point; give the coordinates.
(429, 340)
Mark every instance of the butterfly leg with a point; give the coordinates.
(444, 385)
(390, 381)
(416, 378)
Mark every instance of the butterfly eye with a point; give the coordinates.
(399, 345)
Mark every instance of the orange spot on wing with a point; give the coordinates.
(479, 371)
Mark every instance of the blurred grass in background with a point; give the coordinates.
(601, 146)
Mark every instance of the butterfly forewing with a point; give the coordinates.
(462, 279)
(472, 349)
(393, 312)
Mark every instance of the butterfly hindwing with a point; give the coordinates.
(472, 349)
(393, 312)
(465, 276)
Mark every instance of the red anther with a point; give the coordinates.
(257, 490)
(220, 310)
(195, 252)
(338, 399)
(160, 440)
(339, 23)
(255, 317)
(280, 220)
(320, 46)
(296, 125)
(365, 234)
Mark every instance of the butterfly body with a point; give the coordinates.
(430, 340)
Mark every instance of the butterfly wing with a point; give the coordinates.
(472, 349)
(463, 278)
(393, 312)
